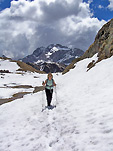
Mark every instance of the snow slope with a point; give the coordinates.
(82, 120)
(4, 65)
(16, 78)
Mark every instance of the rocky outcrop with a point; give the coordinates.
(4, 71)
(52, 67)
(103, 45)
(48, 67)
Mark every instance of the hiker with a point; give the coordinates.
(49, 84)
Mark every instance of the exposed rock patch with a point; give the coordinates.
(14, 97)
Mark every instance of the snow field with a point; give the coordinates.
(82, 120)
(8, 92)
(14, 79)
(4, 65)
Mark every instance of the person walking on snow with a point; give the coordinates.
(49, 84)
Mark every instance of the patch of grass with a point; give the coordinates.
(91, 65)
(38, 89)
(72, 65)
(14, 97)
(20, 95)
(25, 67)
(22, 86)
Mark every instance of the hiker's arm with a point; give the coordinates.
(54, 83)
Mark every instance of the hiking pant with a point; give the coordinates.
(49, 96)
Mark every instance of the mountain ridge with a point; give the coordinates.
(53, 55)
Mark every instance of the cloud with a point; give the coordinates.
(110, 6)
(27, 25)
(90, 1)
(100, 6)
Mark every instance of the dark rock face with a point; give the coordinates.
(53, 67)
(4, 71)
(48, 67)
(54, 58)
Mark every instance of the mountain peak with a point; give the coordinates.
(54, 53)
(56, 45)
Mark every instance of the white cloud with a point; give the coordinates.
(100, 6)
(110, 6)
(27, 25)
(90, 1)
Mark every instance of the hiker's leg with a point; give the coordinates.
(51, 93)
(47, 95)
(49, 98)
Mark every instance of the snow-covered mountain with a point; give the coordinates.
(81, 121)
(53, 54)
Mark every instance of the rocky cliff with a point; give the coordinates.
(103, 45)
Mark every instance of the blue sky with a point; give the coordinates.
(4, 4)
(100, 9)
(28, 24)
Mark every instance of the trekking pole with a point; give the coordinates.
(56, 96)
(43, 99)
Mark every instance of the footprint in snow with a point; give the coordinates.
(53, 142)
